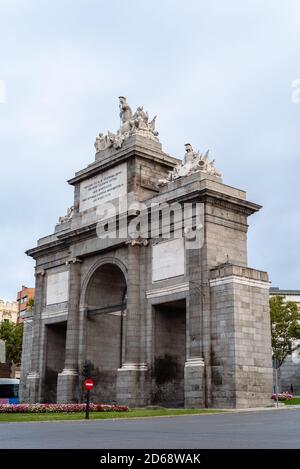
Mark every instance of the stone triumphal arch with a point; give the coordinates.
(164, 309)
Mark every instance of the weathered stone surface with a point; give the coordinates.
(168, 259)
(57, 288)
(241, 337)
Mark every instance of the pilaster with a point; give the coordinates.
(194, 370)
(67, 381)
(131, 379)
(34, 378)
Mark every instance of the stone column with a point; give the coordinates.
(34, 378)
(67, 381)
(131, 376)
(194, 386)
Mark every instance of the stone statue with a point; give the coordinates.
(137, 123)
(192, 163)
(140, 118)
(66, 218)
(117, 139)
(102, 142)
(125, 110)
(152, 125)
(190, 155)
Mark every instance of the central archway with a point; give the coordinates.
(105, 322)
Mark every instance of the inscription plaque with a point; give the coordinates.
(103, 188)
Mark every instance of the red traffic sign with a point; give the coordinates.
(88, 384)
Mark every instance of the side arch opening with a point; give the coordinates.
(105, 300)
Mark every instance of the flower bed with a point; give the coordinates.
(283, 396)
(56, 408)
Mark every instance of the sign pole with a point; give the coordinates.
(88, 386)
(87, 408)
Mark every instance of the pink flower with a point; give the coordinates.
(55, 408)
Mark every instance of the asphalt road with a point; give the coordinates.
(263, 429)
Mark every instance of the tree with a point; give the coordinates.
(285, 327)
(30, 304)
(12, 334)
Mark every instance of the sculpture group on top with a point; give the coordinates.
(68, 217)
(138, 123)
(192, 163)
(131, 123)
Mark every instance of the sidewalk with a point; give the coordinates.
(260, 409)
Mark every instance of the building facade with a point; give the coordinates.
(160, 301)
(23, 299)
(289, 372)
(8, 311)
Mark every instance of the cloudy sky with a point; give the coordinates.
(218, 74)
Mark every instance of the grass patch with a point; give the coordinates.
(295, 401)
(132, 413)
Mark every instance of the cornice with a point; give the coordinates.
(123, 155)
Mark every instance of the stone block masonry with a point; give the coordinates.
(241, 337)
